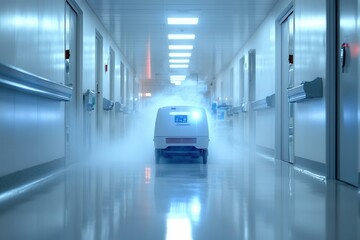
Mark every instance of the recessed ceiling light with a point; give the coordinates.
(180, 47)
(181, 36)
(179, 60)
(187, 21)
(179, 65)
(183, 54)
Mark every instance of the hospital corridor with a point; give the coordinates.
(179, 120)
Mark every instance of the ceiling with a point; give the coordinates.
(140, 29)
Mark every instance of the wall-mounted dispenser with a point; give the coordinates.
(118, 107)
(245, 107)
(306, 91)
(89, 100)
(108, 104)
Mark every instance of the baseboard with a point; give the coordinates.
(266, 151)
(31, 174)
(312, 166)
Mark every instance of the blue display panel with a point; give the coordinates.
(180, 118)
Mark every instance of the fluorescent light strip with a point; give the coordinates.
(185, 21)
(171, 80)
(180, 47)
(179, 65)
(177, 77)
(179, 60)
(181, 36)
(184, 54)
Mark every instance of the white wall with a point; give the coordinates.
(90, 27)
(310, 51)
(310, 62)
(263, 41)
(32, 39)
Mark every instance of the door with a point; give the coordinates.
(231, 87)
(112, 93)
(287, 81)
(252, 98)
(242, 99)
(98, 83)
(71, 81)
(347, 93)
(122, 83)
(122, 99)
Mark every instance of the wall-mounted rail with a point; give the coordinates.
(20, 80)
(306, 91)
(268, 102)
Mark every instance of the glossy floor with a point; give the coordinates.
(231, 198)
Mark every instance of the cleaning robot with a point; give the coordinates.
(181, 131)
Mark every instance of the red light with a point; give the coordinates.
(148, 60)
(147, 175)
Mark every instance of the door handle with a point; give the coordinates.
(344, 46)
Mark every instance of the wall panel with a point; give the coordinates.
(32, 38)
(310, 51)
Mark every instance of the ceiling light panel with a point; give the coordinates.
(180, 47)
(183, 21)
(181, 36)
(179, 65)
(179, 60)
(182, 54)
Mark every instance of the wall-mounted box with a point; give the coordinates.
(89, 100)
(245, 107)
(118, 107)
(306, 91)
(108, 104)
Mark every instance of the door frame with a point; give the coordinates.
(278, 83)
(112, 64)
(252, 97)
(99, 53)
(330, 89)
(241, 92)
(79, 63)
(79, 82)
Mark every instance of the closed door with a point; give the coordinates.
(98, 82)
(347, 94)
(112, 93)
(287, 81)
(252, 98)
(71, 81)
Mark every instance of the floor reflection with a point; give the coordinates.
(183, 186)
(229, 198)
